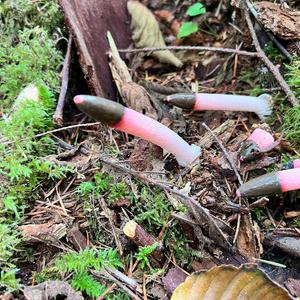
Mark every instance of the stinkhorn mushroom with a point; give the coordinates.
(258, 142)
(132, 122)
(261, 105)
(293, 164)
(272, 183)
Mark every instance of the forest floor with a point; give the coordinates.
(89, 211)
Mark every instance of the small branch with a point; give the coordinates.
(273, 69)
(232, 164)
(58, 115)
(142, 238)
(109, 289)
(197, 48)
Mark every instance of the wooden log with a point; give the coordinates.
(88, 22)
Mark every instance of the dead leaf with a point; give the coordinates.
(229, 282)
(51, 289)
(245, 243)
(134, 95)
(146, 33)
(173, 278)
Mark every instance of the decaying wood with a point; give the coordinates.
(142, 238)
(58, 114)
(134, 95)
(50, 290)
(88, 21)
(283, 22)
(46, 232)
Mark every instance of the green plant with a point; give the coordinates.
(8, 280)
(296, 222)
(118, 191)
(291, 125)
(84, 282)
(143, 253)
(187, 28)
(77, 267)
(153, 210)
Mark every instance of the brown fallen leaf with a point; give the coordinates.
(134, 95)
(146, 32)
(229, 282)
(173, 278)
(245, 243)
(51, 289)
(283, 22)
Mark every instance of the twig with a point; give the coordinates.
(232, 164)
(197, 48)
(253, 11)
(107, 214)
(273, 69)
(109, 289)
(58, 115)
(54, 131)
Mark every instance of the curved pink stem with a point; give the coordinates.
(146, 128)
(260, 105)
(289, 179)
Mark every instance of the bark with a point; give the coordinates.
(88, 22)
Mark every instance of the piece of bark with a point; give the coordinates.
(282, 22)
(88, 21)
(142, 238)
(51, 289)
(46, 232)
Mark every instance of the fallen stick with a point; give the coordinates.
(197, 48)
(272, 68)
(142, 238)
(58, 115)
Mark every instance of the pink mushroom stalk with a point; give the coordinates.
(261, 105)
(137, 124)
(293, 164)
(272, 183)
(258, 142)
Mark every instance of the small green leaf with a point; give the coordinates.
(186, 29)
(196, 9)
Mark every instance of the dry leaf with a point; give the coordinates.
(146, 33)
(229, 282)
(245, 243)
(134, 95)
